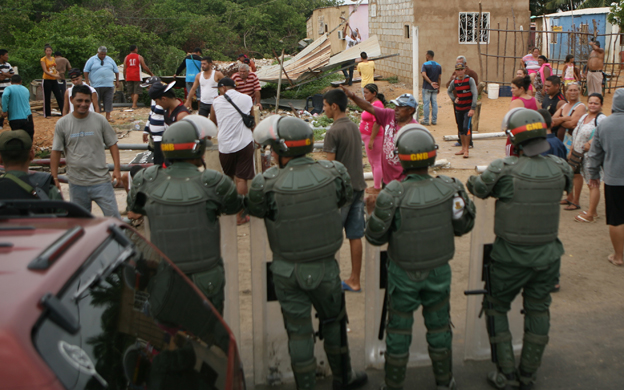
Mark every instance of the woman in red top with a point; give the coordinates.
(519, 89)
(372, 137)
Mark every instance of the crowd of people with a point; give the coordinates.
(555, 143)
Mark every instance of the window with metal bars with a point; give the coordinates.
(469, 27)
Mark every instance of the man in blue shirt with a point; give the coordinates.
(431, 72)
(557, 148)
(102, 72)
(15, 101)
(192, 64)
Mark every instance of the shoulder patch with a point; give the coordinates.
(271, 173)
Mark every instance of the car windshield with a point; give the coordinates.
(142, 326)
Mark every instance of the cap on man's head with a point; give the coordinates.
(74, 72)
(151, 81)
(15, 140)
(459, 67)
(159, 89)
(102, 49)
(242, 55)
(405, 100)
(226, 82)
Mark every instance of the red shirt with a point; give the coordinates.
(248, 86)
(133, 67)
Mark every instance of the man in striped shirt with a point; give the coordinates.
(247, 83)
(6, 72)
(155, 126)
(465, 103)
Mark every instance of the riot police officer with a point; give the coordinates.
(300, 202)
(183, 205)
(419, 218)
(16, 182)
(526, 253)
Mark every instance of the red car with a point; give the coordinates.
(88, 303)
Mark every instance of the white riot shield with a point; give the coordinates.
(477, 340)
(229, 253)
(375, 348)
(271, 360)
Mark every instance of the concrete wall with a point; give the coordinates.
(439, 31)
(438, 25)
(326, 19)
(387, 19)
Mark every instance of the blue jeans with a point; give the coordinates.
(103, 194)
(188, 89)
(353, 219)
(430, 96)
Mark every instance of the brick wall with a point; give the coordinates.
(387, 19)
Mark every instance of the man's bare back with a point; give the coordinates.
(596, 57)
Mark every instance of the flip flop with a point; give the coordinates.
(612, 261)
(565, 202)
(581, 218)
(346, 287)
(596, 217)
(466, 155)
(572, 207)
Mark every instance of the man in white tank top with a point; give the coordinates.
(75, 76)
(207, 79)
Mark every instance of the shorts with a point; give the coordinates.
(239, 164)
(134, 87)
(204, 109)
(614, 204)
(24, 124)
(463, 122)
(353, 216)
(105, 97)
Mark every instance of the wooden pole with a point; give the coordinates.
(479, 40)
(487, 51)
(613, 62)
(279, 82)
(513, 15)
(505, 50)
(282, 67)
(497, 48)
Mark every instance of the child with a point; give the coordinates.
(570, 73)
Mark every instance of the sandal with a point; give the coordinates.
(572, 207)
(565, 202)
(466, 155)
(584, 218)
(596, 217)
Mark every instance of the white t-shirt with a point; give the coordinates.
(233, 134)
(208, 92)
(351, 42)
(69, 93)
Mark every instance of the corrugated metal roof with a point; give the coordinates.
(370, 46)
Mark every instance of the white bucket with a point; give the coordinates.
(493, 91)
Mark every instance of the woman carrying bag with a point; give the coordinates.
(577, 158)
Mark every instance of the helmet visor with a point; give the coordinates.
(204, 127)
(266, 131)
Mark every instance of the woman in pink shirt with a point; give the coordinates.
(372, 137)
(520, 99)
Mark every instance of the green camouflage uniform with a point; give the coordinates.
(415, 218)
(300, 204)
(183, 206)
(526, 254)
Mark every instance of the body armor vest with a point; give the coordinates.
(179, 224)
(462, 88)
(425, 238)
(531, 217)
(308, 224)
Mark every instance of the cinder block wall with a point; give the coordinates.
(387, 19)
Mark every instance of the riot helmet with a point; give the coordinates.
(527, 130)
(287, 136)
(187, 138)
(415, 147)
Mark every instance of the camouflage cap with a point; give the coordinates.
(15, 140)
